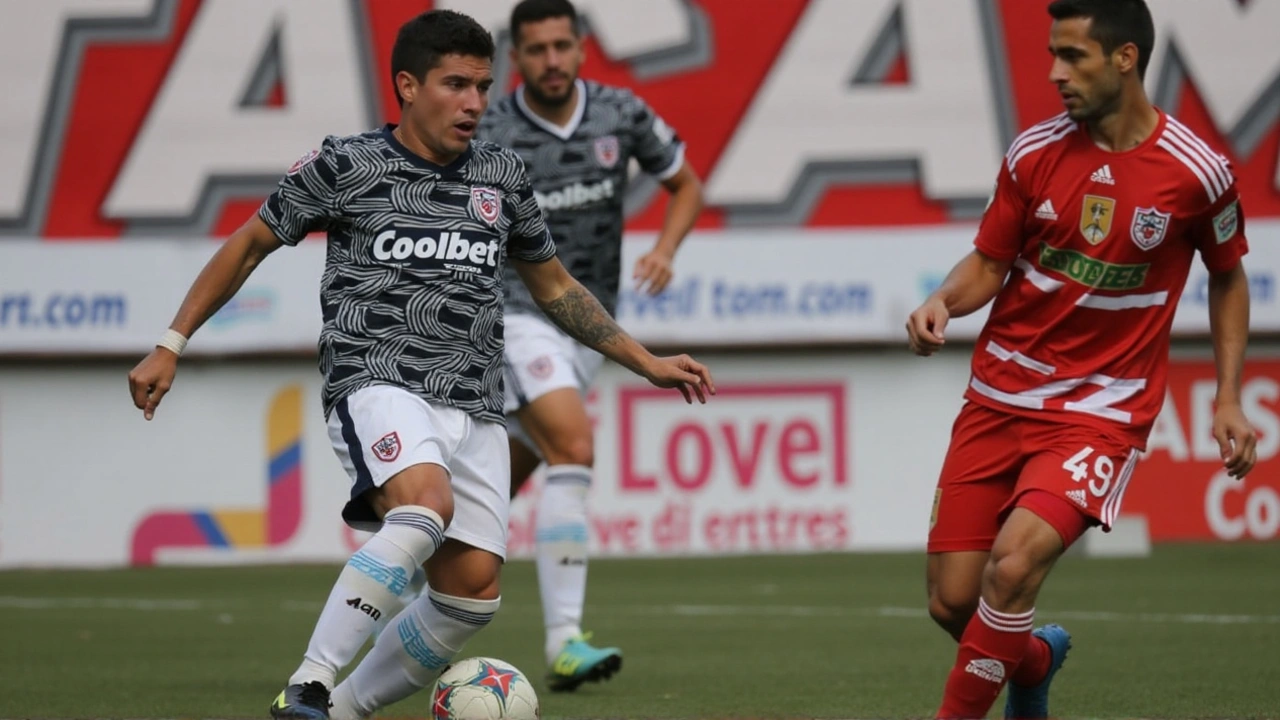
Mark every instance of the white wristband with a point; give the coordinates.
(173, 341)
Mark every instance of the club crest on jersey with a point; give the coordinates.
(607, 152)
(487, 203)
(1149, 226)
(303, 161)
(1095, 218)
(541, 367)
(387, 449)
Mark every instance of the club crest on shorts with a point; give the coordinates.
(607, 151)
(1149, 226)
(487, 203)
(541, 367)
(303, 161)
(1095, 218)
(387, 448)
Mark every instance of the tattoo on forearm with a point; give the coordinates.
(580, 314)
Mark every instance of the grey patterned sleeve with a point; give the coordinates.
(658, 148)
(529, 239)
(305, 199)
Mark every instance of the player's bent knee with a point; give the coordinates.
(951, 611)
(465, 571)
(574, 450)
(1013, 576)
(425, 485)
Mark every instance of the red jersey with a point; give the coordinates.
(1101, 244)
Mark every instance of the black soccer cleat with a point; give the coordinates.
(304, 701)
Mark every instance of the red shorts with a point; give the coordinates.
(996, 458)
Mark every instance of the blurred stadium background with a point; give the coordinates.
(760, 556)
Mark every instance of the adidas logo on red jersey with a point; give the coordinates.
(1077, 496)
(1046, 211)
(1103, 175)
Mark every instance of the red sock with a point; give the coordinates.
(992, 646)
(1035, 664)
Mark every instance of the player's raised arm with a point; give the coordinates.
(217, 283)
(303, 202)
(576, 311)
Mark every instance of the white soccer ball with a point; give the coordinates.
(484, 688)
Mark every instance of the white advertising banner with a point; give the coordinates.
(731, 288)
(795, 454)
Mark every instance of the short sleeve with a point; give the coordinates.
(305, 199)
(1219, 232)
(658, 149)
(529, 239)
(1000, 234)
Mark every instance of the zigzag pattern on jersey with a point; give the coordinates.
(431, 329)
(588, 235)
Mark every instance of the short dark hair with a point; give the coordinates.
(424, 40)
(531, 11)
(1115, 23)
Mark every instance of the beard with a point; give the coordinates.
(548, 100)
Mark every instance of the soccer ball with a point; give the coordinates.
(484, 688)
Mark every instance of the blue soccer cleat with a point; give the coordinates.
(579, 662)
(303, 701)
(1025, 703)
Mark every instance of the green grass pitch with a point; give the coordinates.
(1191, 632)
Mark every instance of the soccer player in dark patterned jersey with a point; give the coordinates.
(420, 222)
(577, 139)
(1085, 247)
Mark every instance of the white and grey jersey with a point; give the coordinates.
(580, 173)
(412, 287)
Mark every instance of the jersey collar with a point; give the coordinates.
(566, 132)
(419, 161)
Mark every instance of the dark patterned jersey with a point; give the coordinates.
(412, 287)
(580, 173)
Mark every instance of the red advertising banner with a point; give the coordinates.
(1181, 486)
(178, 117)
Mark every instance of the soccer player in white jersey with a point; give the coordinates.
(420, 222)
(578, 139)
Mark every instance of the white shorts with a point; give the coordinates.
(380, 430)
(540, 358)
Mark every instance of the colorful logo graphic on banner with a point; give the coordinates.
(238, 528)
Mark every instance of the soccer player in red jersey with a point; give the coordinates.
(1085, 247)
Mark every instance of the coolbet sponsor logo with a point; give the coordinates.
(1092, 272)
(575, 196)
(388, 246)
(871, 148)
(1180, 484)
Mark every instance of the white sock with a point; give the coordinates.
(561, 552)
(367, 588)
(411, 653)
(417, 584)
